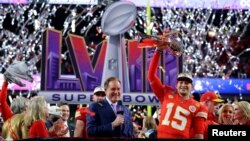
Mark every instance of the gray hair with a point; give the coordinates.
(19, 104)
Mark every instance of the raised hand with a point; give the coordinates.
(167, 40)
(58, 129)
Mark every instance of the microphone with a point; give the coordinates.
(119, 108)
(120, 111)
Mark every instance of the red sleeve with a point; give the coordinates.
(5, 108)
(82, 112)
(203, 112)
(38, 129)
(155, 82)
(199, 125)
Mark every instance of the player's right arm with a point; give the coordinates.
(155, 82)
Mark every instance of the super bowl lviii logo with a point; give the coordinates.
(89, 71)
(115, 57)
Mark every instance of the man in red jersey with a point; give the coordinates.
(179, 111)
(211, 103)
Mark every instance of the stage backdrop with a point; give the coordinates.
(88, 70)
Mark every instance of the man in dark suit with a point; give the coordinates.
(81, 113)
(108, 122)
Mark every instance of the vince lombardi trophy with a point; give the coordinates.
(117, 19)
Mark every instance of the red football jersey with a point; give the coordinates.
(204, 128)
(177, 115)
(81, 114)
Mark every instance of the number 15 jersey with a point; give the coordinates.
(178, 115)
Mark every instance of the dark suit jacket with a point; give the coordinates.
(100, 124)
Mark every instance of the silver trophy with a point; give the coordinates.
(117, 19)
(16, 71)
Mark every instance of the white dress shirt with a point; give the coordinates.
(66, 126)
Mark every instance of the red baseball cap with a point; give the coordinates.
(211, 96)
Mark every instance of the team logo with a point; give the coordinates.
(192, 108)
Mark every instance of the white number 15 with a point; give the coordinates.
(179, 114)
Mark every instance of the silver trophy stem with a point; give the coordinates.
(115, 63)
(126, 85)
